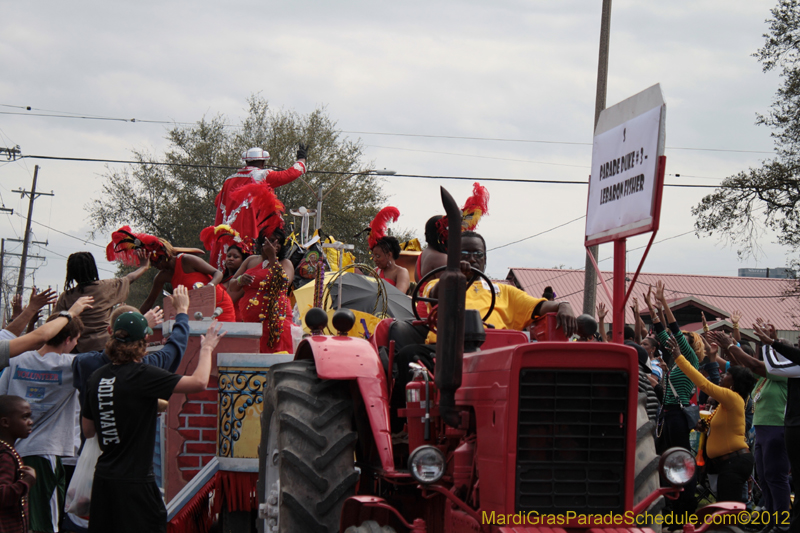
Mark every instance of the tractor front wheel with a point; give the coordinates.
(306, 462)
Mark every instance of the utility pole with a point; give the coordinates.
(2, 285)
(11, 153)
(590, 279)
(33, 196)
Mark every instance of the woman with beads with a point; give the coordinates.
(260, 285)
(260, 288)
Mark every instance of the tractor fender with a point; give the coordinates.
(351, 358)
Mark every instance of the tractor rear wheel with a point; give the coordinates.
(370, 526)
(647, 478)
(306, 462)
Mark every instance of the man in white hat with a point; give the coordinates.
(238, 213)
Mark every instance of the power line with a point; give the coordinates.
(87, 116)
(415, 176)
(84, 241)
(50, 250)
(478, 156)
(540, 233)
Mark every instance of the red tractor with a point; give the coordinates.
(509, 436)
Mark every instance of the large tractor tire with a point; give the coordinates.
(370, 526)
(306, 462)
(647, 478)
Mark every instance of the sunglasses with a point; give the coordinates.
(465, 254)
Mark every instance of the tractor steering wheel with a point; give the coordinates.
(416, 298)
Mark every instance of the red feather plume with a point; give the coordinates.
(377, 228)
(269, 210)
(124, 244)
(475, 207)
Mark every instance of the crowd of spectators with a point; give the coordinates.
(48, 382)
(749, 412)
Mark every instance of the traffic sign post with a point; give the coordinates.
(626, 184)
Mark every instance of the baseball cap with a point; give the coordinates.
(134, 324)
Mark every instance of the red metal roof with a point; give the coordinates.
(754, 297)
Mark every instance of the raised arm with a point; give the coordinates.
(169, 356)
(36, 339)
(660, 286)
(144, 264)
(276, 178)
(736, 316)
(601, 320)
(767, 335)
(158, 285)
(737, 355)
(637, 320)
(724, 396)
(192, 263)
(37, 301)
(198, 381)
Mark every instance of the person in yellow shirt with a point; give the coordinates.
(726, 449)
(514, 308)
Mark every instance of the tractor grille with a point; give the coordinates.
(571, 441)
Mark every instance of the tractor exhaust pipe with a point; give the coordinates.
(450, 327)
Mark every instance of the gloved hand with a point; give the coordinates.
(302, 151)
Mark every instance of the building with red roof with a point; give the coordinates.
(716, 296)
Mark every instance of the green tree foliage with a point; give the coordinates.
(176, 201)
(767, 196)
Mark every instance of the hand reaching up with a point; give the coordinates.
(83, 303)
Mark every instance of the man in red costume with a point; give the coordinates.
(238, 213)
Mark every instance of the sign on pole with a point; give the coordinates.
(624, 188)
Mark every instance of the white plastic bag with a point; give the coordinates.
(79, 493)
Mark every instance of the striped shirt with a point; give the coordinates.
(683, 385)
(652, 400)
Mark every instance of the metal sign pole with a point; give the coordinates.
(340, 247)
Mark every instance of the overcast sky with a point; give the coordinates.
(495, 70)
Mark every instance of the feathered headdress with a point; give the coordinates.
(474, 208)
(124, 245)
(377, 228)
(269, 210)
(227, 237)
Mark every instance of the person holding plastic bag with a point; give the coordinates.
(124, 397)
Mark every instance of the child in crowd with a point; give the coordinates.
(16, 479)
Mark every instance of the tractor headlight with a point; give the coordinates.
(427, 464)
(677, 465)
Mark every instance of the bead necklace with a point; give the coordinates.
(267, 300)
(20, 464)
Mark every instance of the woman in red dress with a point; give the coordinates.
(190, 271)
(259, 287)
(176, 267)
(386, 249)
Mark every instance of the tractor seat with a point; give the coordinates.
(403, 333)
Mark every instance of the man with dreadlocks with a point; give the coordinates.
(83, 280)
